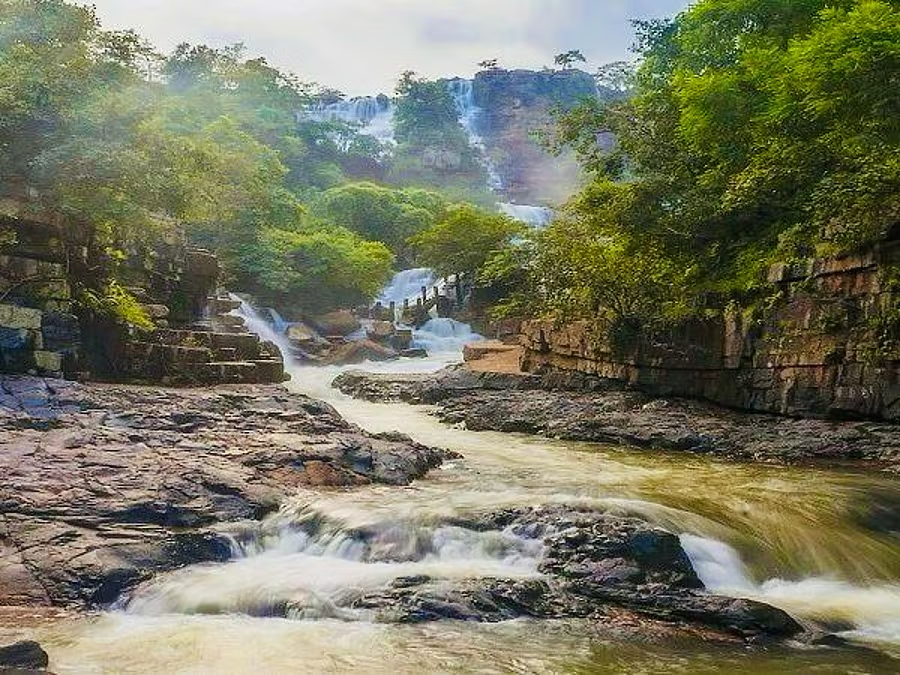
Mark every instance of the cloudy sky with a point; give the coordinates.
(361, 46)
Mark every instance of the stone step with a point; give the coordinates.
(246, 345)
(270, 371)
(225, 354)
(235, 372)
(222, 305)
(174, 355)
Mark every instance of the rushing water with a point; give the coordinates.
(807, 540)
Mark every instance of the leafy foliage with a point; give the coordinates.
(756, 130)
(464, 240)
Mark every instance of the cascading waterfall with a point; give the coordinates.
(375, 115)
(266, 331)
(538, 217)
(407, 285)
(463, 92)
(441, 336)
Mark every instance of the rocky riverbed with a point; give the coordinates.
(580, 408)
(112, 494)
(103, 486)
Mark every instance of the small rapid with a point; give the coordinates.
(292, 599)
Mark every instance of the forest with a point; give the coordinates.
(751, 132)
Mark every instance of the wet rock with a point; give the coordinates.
(105, 486)
(26, 655)
(574, 407)
(340, 323)
(595, 566)
(358, 352)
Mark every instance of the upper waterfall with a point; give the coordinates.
(375, 114)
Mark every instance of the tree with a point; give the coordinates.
(378, 213)
(568, 59)
(757, 130)
(316, 268)
(464, 240)
(488, 64)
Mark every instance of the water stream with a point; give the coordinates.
(808, 540)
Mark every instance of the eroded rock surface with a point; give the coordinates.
(594, 566)
(105, 485)
(577, 407)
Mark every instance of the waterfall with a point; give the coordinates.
(441, 336)
(257, 324)
(463, 93)
(407, 285)
(537, 217)
(375, 114)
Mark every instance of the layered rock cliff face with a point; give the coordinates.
(43, 331)
(517, 103)
(827, 346)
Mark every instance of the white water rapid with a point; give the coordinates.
(794, 537)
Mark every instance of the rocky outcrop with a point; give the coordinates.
(574, 406)
(826, 346)
(105, 486)
(594, 566)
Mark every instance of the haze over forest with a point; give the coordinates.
(361, 46)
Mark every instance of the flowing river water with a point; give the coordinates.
(815, 542)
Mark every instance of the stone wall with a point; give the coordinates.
(827, 345)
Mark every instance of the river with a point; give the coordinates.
(811, 541)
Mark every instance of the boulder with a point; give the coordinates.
(341, 322)
(25, 655)
(358, 352)
(380, 331)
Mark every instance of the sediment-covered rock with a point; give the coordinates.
(106, 485)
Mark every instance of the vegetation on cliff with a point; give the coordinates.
(757, 132)
(99, 131)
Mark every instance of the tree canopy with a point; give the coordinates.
(755, 131)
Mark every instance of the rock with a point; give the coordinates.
(15, 317)
(25, 655)
(341, 322)
(414, 353)
(595, 566)
(106, 486)
(380, 331)
(574, 406)
(358, 352)
(156, 311)
(299, 332)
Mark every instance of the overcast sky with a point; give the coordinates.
(361, 46)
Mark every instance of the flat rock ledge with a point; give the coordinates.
(580, 408)
(104, 486)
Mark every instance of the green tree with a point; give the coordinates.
(380, 213)
(464, 240)
(568, 59)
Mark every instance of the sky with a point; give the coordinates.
(362, 46)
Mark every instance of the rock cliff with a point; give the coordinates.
(825, 346)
